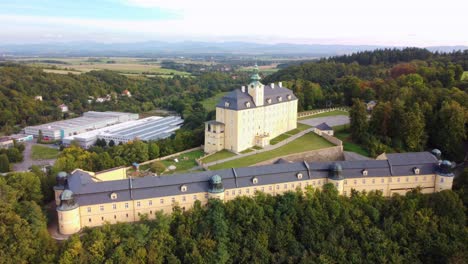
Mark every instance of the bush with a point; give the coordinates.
(157, 167)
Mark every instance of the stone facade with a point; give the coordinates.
(84, 201)
(251, 116)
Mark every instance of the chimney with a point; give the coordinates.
(243, 89)
(272, 85)
(280, 84)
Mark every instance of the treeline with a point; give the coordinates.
(20, 84)
(315, 227)
(106, 156)
(422, 101)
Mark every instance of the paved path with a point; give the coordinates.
(267, 148)
(330, 120)
(28, 161)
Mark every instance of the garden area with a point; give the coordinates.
(185, 162)
(309, 141)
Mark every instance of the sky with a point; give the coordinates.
(359, 22)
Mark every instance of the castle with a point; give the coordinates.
(87, 199)
(251, 116)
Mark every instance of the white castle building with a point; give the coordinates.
(251, 116)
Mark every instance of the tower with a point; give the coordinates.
(256, 88)
(216, 189)
(335, 177)
(61, 179)
(444, 176)
(68, 214)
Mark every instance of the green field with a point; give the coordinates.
(343, 134)
(309, 141)
(186, 162)
(332, 113)
(39, 152)
(210, 103)
(465, 75)
(279, 138)
(223, 154)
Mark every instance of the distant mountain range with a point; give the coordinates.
(157, 48)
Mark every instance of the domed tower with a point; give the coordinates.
(336, 177)
(68, 213)
(444, 176)
(216, 189)
(256, 88)
(61, 179)
(437, 153)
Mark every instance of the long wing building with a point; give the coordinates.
(87, 199)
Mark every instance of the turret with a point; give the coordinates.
(335, 176)
(68, 213)
(444, 176)
(256, 88)
(61, 179)
(437, 153)
(216, 189)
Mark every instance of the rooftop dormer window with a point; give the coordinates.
(416, 170)
(269, 100)
(365, 172)
(226, 104)
(113, 196)
(247, 104)
(280, 98)
(183, 188)
(289, 97)
(254, 180)
(299, 175)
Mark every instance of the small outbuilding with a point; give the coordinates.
(323, 128)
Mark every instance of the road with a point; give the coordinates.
(28, 161)
(330, 120)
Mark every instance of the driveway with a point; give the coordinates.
(28, 161)
(330, 120)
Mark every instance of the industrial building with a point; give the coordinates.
(89, 199)
(150, 128)
(89, 121)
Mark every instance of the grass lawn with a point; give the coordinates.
(39, 152)
(246, 151)
(223, 154)
(210, 103)
(279, 138)
(309, 141)
(332, 113)
(186, 161)
(300, 127)
(342, 133)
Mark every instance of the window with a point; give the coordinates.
(138, 204)
(416, 170)
(263, 189)
(173, 199)
(115, 217)
(227, 193)
(233, 192)
(161, 201)
(126, 205)
(113, 196)
(382, 180)
(247, 191)
(239, 191)
(269, 100)
(101, 207)
(313, 183)
(337, 185)
(355, 182)
(102, 218)
(292, 185)
(345, 182)
(285, 186)
(183, 188)
(365, 172)
(151, 211)
(194, 197)
(89, 220)
(299, 175)
(126, 215)
(373, 180)
(270, 188)
(344, 193)
(424, 178)
(364, 181)
(320, 182)
(407, 179)
(183, 198)
(247, 104)
(416, 179)
(114, 206)
(398, 179)
(89, 209)
(254, 180)
(277, 187)
(289, 97)
(226, 104)
(441, 180)
(150, 202)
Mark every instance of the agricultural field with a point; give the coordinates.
(266, 69)
(309, 141)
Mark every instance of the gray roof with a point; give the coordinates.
(87, 192)
(237, 99)
(324, 127)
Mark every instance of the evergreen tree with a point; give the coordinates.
(451, 129)
(358, 119)
(414, 135)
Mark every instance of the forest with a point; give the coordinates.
(422, 100)
(318, 226)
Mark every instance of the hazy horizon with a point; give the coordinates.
(390, 23)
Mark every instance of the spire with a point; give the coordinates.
(255, 77)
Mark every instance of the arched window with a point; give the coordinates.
(183, 188)
(299, 175)
(113, 196)
(254, 180)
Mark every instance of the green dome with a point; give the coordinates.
(436, 153)
(216, 184)
(255, 77)
(336, 167)
(335, 171)
(66, 195)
